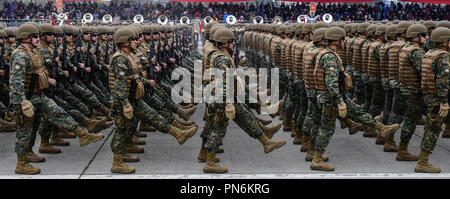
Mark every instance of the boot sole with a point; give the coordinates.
(189, 136)
(208, 171)
(25, 173)
(49, 152)
(303, 149)
(272, 149)
(406, 160)
(423, 171)
(136, 160)
(390, 150)
(113, 171)
(320, 169)
(310, 160)
(296, 142)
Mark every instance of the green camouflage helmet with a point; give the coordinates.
(415, 29)
(334, 33)
(319, 34)
(25, 30)
(123, 34)
(440, 34)
(223, 35)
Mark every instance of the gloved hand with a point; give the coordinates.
(128, 111)
(27, 108)
(443, 110)
(342, 109)
(230, 111)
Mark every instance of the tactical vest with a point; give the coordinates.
(283, 53)
(357, 56)
(295, 58)
(365, 56)
(298, 57)
(373, 68)
(37, 68)
(319, 72)
(289, 55)
(384, 61)
(308, 70)
(394, 51)
(267, 40)
(348, 50)
(276, 55)
(428, 82)
(134, 62)
(407, 74)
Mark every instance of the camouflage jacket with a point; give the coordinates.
(121, 68)
(330, 63)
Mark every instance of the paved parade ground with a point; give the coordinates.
(353, 156)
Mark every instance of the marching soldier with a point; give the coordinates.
(30, 105)
(434, 85)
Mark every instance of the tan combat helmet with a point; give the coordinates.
(319, 34)
(281, 29)
(316, 26)
(440, 34)
(3, 34)
(430, 24)
(444, 24)
(25, 30)
(123, 34)
(370, 31)
(335, 33)
(307, 28)
(403, 26)
(223, 35)
(46, 28)
(362, 27)
(391, 30)
(416, 30)
(381, 29)
(10, 31)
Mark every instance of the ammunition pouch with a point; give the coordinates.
(345, 80)
(20, 118)
(220, 119)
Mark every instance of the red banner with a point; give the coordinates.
(216, 1)
(331, 1)
(428, 1)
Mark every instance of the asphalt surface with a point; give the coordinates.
(352, 155)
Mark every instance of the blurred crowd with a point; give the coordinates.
(244, 10)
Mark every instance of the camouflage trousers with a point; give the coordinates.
(413, 110)
(3, 110)
(433, 125)
(356, 113)
(387, 101)
(156, 103)
(398, 107)
(75, 102)
(291, 99)
(98, 92)
(378, 94)
(301, 108)
(367, 91)
(47, 112)
(358, 87)
(126, 127)
(327, 125)
(313, 114)
(91, 100)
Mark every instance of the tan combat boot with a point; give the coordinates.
(32, 157)
(65, 134)
(305, 143)
(386, 130)
(270, 131)
(446, 133)
(310, 154)
(87, 138)
(298, 137)
(390, 145)
(403, 154)
(55, 141)
(318, 164)
(377, 118)
(182, 135)
(129, 158)
(221, 150)
(140, 134)
(379, 140)
(135, 140)
(131, 148)
(211, 166)
(179, 125)
(265, 122)
(6, 126)
(95, 126)
(369, 132)
(269, 145)
(186, 113)
(119, 167)
(423, 166)
(186, 123)
(353, 127)
(45, 147)
(343, 123)
(22, 167)
(146, 127)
